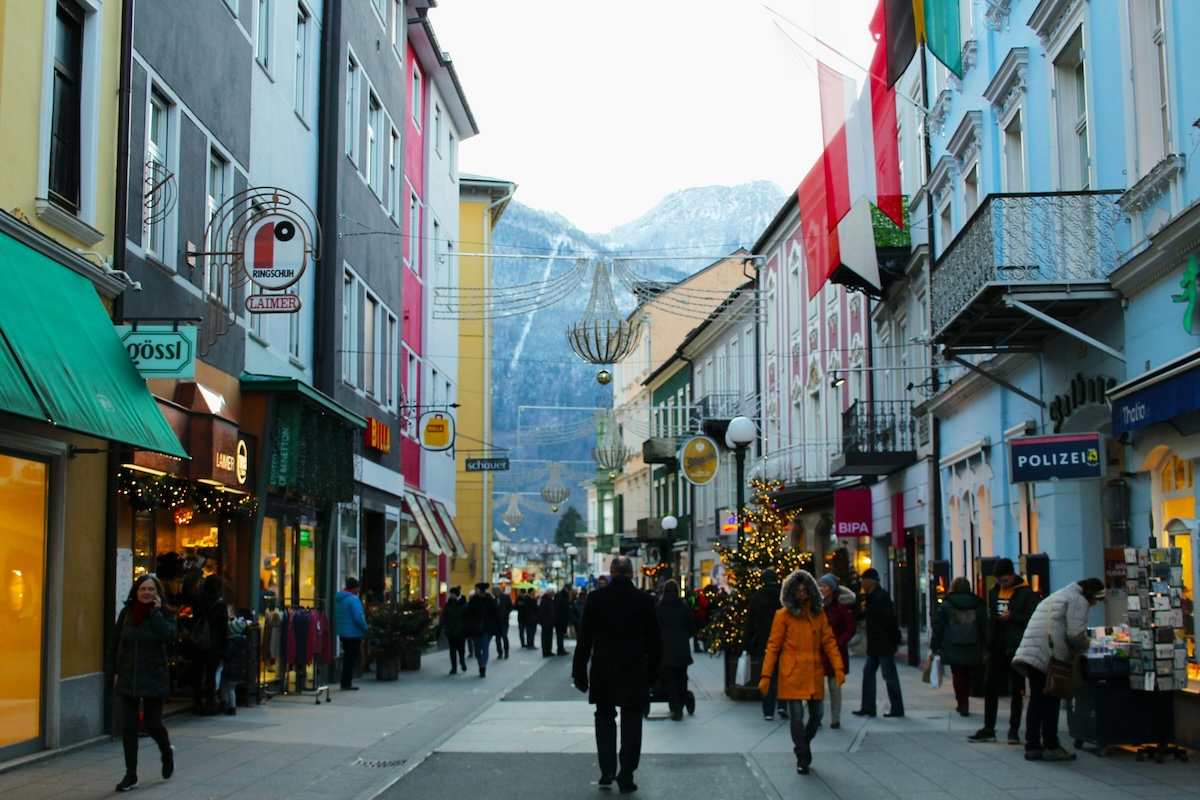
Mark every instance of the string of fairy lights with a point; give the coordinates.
(182, 497)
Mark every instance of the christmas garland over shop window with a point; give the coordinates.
(145, 492)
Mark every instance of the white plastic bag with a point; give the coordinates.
(935, 672)
(742, 675)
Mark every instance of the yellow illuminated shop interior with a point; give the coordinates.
(1178, 482)
(23, 493)
(287, 579)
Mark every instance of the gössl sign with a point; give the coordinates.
(160, 351)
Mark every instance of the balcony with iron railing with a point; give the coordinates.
(1022, 266)
(879, 437)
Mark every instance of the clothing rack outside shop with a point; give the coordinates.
(292, 639)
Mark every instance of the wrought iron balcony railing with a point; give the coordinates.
(880, 426)
(1030, 239)
(720, 405)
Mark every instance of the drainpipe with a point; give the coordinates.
(328, 127)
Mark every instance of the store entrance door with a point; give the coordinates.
(910, 590)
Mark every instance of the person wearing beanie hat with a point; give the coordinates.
(233, 668)
(883, 639)
(837, 601)
(1010, 604)
(760, 615)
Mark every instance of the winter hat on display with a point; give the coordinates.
(871, 574)
(830, 580)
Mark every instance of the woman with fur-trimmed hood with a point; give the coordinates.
(800, 635)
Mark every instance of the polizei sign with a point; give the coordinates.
(1055, 458)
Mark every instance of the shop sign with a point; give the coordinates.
(273, 303)
(437, 431)
(306, 537)
(1081, 391)
(727, 519)
(378, 435)
(486, 464)
(275, 252)
(699, 461)
(160, 351)
(1055, 458)
(852, 512)
(1158, 402)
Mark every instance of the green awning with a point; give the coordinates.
(61, 360)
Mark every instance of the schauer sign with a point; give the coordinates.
(161, 351)
(486, 464)
(1055, 458)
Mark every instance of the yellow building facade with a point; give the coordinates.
(481, 203)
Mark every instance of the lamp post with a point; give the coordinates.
(572, 551)
(669, 523)
(556, 570)
(738, 437)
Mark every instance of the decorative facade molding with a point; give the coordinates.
(1049, 21)
(1008, 84)
(964, 143)
(941, 180)
(1154, 183)
(997, 14)
(935, 122)
(970, 55)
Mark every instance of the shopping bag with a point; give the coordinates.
(925, 673)
(935, 672)
(1060, 679)
(743, 669)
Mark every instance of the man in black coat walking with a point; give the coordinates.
(482, 623)
(883, 639)
(526, 618)
(759, 618)
(619, 634)
(504, 607)
(562, 617)
(545, 618)
(1011, 602)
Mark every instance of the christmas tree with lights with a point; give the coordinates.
(764, 543)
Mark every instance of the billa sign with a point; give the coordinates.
(1055, 458)
(852, 512)
(437, 431)
(699, 461)
(160, 351)
(378, 435)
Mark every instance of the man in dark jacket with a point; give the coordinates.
(454, 625)
(562, 617)
(1011, 602)
(504, 607)
(545, 618)
(481, 623)
(526, 618)
(619, 634)
(759, 617)
(883, 638)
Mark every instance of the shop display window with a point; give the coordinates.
(1178, 486)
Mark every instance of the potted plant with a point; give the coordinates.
(396, 635)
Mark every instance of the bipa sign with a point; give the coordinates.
(852, 512)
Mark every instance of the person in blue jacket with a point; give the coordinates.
(351, 627)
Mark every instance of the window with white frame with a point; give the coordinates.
(374, 160)
(1071, 115)
(437, 128)
(160, 136)
(393, 179)
(353, 85)
(971, 190)
(294, 339)
(414, 233)
(66, 134)
(257, 321)
(372, 334)
(217, 277)
(417, 99)
(300, 78)
(1151, 95)
(350, 327)
(398, 26)
(387, 368)
(411, 392)
(452, 154)
(262, 34)
(380, 10)
(748, 386)
(1014, 156)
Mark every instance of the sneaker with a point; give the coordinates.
(1033, 755)
(1057, 754)
(1014, 737)
(769, 717)
(982, 735)
(127, 783)
(168, 759)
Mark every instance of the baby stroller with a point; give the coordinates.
(658, 694)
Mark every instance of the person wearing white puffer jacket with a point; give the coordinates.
(1058, 628)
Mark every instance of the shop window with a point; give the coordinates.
(1177, 480)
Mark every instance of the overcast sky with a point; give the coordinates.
(599, 110)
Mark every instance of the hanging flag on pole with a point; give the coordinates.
(942, 34)
(899, 37)
(907, 23)
(889, 197)
(820, 244)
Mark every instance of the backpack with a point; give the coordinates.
(201, 634)
(962, 629)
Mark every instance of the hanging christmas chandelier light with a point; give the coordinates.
(512, 515)
(610, 452)
(602, 335)
(555, 492)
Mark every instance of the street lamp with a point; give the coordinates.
(669, 523)
(738, 436)
(572, 551)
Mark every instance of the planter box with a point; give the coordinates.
(387, 669)
(410, 661)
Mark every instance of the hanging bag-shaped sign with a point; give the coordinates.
(437, 431)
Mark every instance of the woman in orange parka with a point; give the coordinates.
(799, 635)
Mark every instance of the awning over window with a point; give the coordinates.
(449, 530)
(61, 360)
(419, 507)
(1165, 394)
